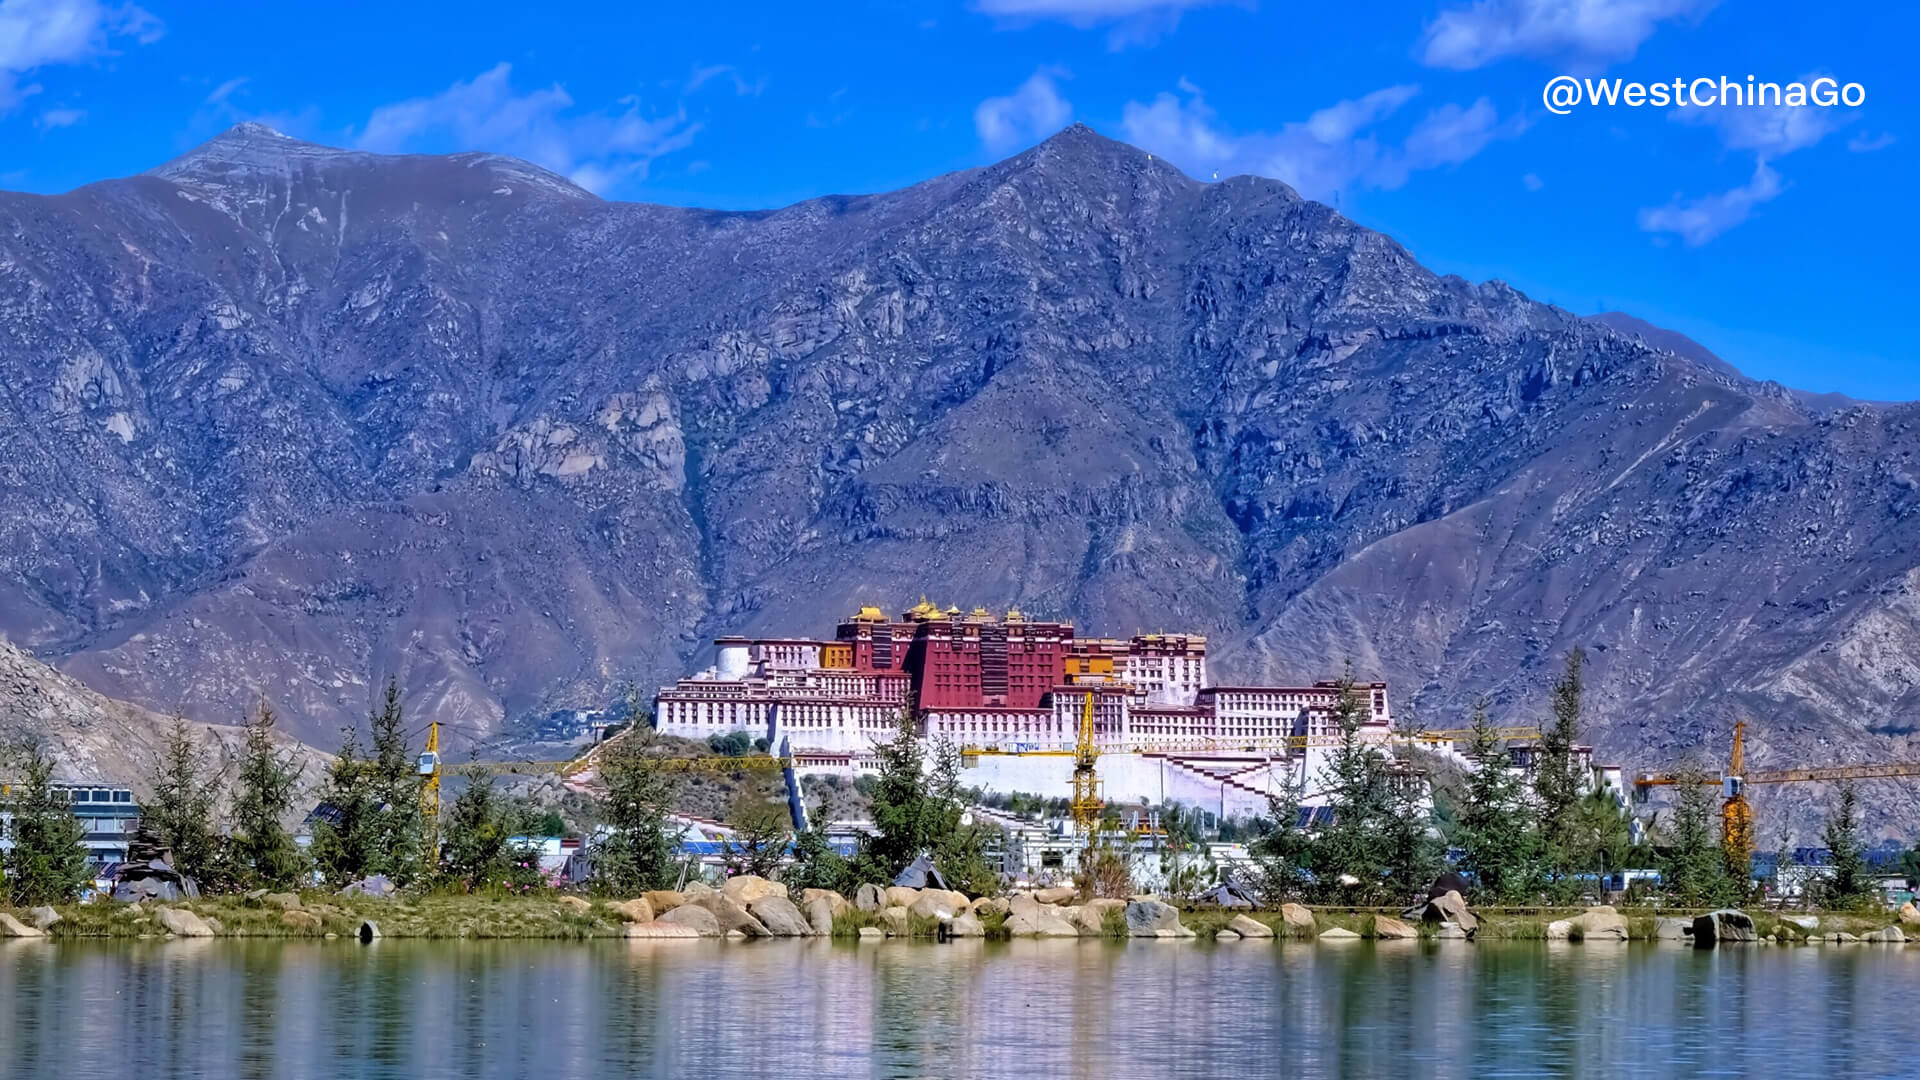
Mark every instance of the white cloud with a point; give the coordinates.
(1700, 220)
(1134, 22)
(225, 90)
(36, 34)
(1033, 111)
(1532, 182)
(741, 87)
(1581, 33)
(59, 118)
(1861, 144)
(1328, 152)
(597, 150)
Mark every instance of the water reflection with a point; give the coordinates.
(1029, 1009)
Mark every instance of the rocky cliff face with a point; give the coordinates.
(95, 739)
(279, 419)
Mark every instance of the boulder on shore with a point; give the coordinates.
(182, 923)
(1059, 894)
(870, 898)
(1447, 931)
(1388, 928)
(1154, 918)
(659, 929)
(1248, 927)
(1892, 935)
(744, 889)
(1297, 918)
(43, 918)
(1091, 916)
(1909, 914)
(872, 933)
(987, 904)
(696, 918)
(1450, 907)
(305, 922)
(836, 903)
(576, 905)
(12, 927)
(730, 914)
(779, 916)
(901, 896)
(966, 925)
(894, 921)
(1039, 920)
(1672, 929)
(935, 904)
(663, 901)
(820, 915)
(1726, 924)
(1338, 933)
(633, 911)
(1601, 923)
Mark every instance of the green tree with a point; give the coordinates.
(816, 865)
(178, 812)
(1283, 855)
(1602, 834)
(1849, 886)
(1695, 874)
(1184, 863)
(1353, 844)
(1414, 853)
(1495, 830)
(957, 842)
(899, 806)
(477, 852)
(760, 834)
(345, 840)
(261, 852)
(640, 850)
(47, 863)
(1560, 780)
(394, 781)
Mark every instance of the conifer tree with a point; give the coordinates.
(1495, 833)
(477, 850)
(344, 841)
(47, 863)
(1284, 853)
(760, 830)
(640, 850)
(1848, 887)
(816, 865)
(178, 814)
(1353, 844)
(260, 850)
(394, 782)
(1694, 872)
(1559, 780)
(898, 806)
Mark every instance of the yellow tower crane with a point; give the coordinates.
(1086, 804)
(1736, 813)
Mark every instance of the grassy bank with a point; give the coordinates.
(321, 915)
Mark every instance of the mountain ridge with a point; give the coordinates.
(287, 432)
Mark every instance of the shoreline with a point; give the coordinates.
(324, 916)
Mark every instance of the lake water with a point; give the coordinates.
(1029, 1009)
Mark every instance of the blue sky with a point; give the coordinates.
(1781, 237)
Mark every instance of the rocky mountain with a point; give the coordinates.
(95, 739)
(278, 419)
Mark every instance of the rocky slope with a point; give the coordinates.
(95, 739)
(278, 419)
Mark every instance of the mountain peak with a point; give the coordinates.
(252, 150)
